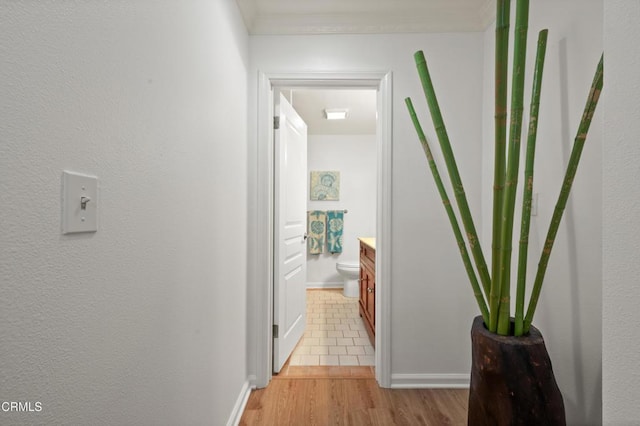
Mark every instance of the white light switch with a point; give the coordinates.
(79, 203)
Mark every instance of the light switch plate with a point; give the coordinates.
(79, 203)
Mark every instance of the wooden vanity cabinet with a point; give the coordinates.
(368, 289)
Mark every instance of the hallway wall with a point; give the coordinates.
(621, 210)
(144, 321)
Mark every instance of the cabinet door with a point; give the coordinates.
(368, 290)
(367, 281)
(371, 298)
(363, 290)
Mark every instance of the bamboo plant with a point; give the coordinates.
(493, 291)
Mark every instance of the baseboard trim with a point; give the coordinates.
(241, 403)
(430, 381)
(325, 285)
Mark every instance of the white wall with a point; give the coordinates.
(569, 309)
(621, 210)
(355, 157)
(144, 321)
(429, 288)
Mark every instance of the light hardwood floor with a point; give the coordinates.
(352, 401)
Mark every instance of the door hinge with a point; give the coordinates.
(275, 330)
(276, 123)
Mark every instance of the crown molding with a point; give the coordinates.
(281, 17)
(362, 24)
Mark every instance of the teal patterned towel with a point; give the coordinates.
(335, 223)
(316, 224)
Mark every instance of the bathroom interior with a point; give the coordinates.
(340, 326)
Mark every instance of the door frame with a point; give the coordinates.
(263, 297)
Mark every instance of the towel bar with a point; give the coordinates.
(345, 211)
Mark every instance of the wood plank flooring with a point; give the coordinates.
(332, 401)
(325, 372)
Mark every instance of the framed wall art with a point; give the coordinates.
(325, 186)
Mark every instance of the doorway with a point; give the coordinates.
(342, 151)
(262, 315)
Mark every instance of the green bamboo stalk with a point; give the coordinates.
(452, 168)
(477, 291)
(574, 159)
(501, 71)
(513, 162)
(528, 183)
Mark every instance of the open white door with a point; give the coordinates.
(290, 251)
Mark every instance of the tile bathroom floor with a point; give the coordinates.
(335, 334)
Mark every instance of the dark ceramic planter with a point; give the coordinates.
(512, 381)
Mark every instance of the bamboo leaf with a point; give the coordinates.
(574, 159)
(477, 291)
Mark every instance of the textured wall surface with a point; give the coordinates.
(142, 322)
(621, 210)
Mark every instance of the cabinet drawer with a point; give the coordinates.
(367, 252)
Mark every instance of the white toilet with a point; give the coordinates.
(350, 272)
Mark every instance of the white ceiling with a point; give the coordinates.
(360, 105)
(365, 16)
(297, 17)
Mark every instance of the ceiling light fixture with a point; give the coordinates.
(335, 114)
